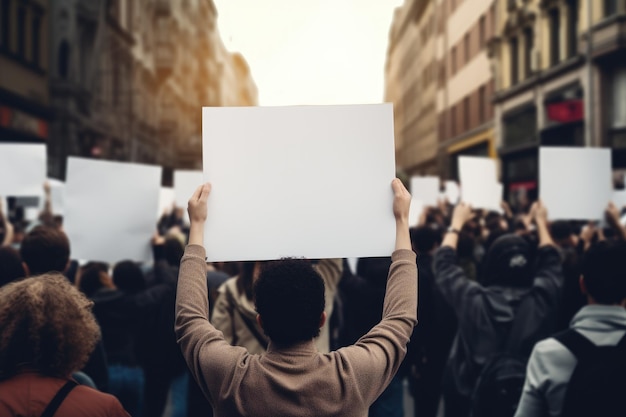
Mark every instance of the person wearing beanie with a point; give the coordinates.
(513, 282)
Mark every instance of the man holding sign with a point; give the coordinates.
(292, 378)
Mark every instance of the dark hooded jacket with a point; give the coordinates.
(514, 284)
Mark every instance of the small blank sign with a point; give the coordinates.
(478, 181)
(22, 169)
(575, 183)
(425, 189)
(303, 181)
(109, 210)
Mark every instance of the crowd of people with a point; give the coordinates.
(515, 315)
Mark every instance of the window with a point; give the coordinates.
(619, 104)
(555, 29)
(21, 31)
(572, 29)
(453, 124)
(5, 12)
(482, 34)
(482, 98)
(466, 47)
(453, 60)
(35, 39)
(466, 113)
(514, 61)
(528, 51)
(610, 7)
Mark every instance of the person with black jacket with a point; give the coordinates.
(485, 312)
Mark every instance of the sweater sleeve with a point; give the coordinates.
(203, 346)
(376, 357)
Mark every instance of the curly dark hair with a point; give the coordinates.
(46, 325)
(289, 297)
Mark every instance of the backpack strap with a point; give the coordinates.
(576, 343)
(56, 402)
(622, 343)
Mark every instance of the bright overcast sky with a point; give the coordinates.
(311, 51)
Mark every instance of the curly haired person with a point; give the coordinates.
(47, 332)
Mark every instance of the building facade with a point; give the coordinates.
(554, 88)
(129, 78)
(24, 100)
(465, 82)
(411, 85)
(439, 77)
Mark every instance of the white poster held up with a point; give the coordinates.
(166, 201)
(109, 210)
(417, 208)
(302, 181)
(22, 169)
(575, 183)
(57, 196)
(425, 189)
(185, 183)
(478, 181)
(452, 193)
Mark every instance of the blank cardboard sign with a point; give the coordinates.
(109, 209)
(185, 183)
(22, 169)
(575, 183)
(303, 181)
(425, 189)
(478, 181)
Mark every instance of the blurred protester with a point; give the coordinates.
(46, 250)
(580, 372)
(293, 377)
(116, 313)
(47, 332)
(435, 330)
(157, 351)
(11, 267)
(513, 308)
(235, 315)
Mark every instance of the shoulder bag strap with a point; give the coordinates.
(576, 343)
(54, 405)
(249, 324)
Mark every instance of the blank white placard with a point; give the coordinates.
(478, 181)
(109, 209)
(417, 207)
(619, 198)
(452, 192)
(425, 189)
(303, 181)
(57, 196)
(22, 169)
(575, 183)
(185, 183)
(166, 201)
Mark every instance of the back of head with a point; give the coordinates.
(128, 277)
(45, 325)
(173, 250)
(289, 297)
(91, 278)
(561, 231)
(45, 249)
(508, 262)
(10, 265)
(603, 272)
(425, 238)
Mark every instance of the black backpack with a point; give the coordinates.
(598, 384)
(501, 380)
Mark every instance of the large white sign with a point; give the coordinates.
(575, 183)
(304, 181)
(185, 183)
(479, 186)
(425, 189)
(22, 169)
(109, 209)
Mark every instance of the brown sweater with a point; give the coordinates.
(295, 381)
(28, 394)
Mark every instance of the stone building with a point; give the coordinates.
(554, 88)
(128, 80)
(24, 100)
